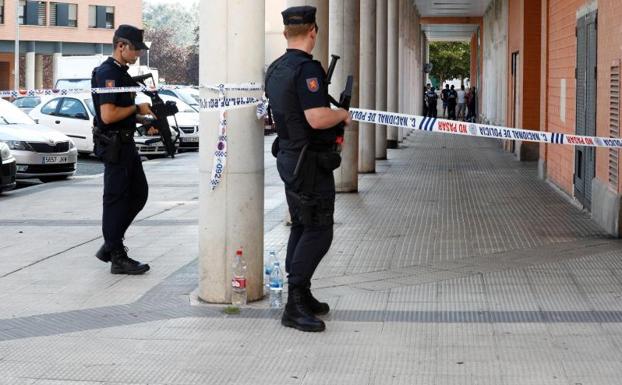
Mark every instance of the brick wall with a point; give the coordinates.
(562, 52)
(126, 12)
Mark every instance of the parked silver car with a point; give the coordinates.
(40, 151)
(7, 168)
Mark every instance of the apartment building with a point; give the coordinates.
(50, 29)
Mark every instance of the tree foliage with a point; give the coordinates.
(169, 58)
(450, 60)
(173, 32)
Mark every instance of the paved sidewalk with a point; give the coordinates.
(453, 264)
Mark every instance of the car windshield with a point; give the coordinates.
(27, 102)
(89, 105)
(82, 84)
(190, 96)
(9, 114)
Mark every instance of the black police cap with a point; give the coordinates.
(299, 15)
(132, 34)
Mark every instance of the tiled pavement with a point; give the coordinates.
(453, 264)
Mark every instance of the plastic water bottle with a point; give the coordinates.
(267, 269)
(276, 286)
(238, 282)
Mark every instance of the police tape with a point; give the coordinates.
(220, 155)
(221, 88)
(445, 126)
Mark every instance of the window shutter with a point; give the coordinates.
(614, 123)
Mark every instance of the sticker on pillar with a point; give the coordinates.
(313, 84)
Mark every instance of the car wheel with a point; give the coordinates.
(55, 178)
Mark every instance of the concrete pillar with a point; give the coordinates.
(30, 66)
(392, 67)
(39, 71)
(402, 69)
(58, 53)
(367, 91)
(231, 215)
(344, 41)
(320, 52)
(381, 75)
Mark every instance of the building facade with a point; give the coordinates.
(55, 28)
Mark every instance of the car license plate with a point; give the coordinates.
(190, 140)
(55, 159)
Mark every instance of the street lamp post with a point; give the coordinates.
(16, 66)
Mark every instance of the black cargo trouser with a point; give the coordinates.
(125, 195)
(308, 243)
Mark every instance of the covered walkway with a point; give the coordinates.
(476, 272)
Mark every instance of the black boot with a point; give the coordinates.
(297, 314)
(122, 264)
(103, 254)
(316, 307)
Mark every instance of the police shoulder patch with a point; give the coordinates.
(313, 84)
(109, 83)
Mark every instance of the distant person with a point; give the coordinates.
(431, 99)
(425, 102)
(461, 103)
(471, 105)
(444, 96)
(452, 99)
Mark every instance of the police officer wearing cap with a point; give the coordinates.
(125, 184)
(306, 157)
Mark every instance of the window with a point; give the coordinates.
(27, 101)
(32, 12)
(1, 11)
(101, 16)
(63, 15)
(73, 108)
(50, 107)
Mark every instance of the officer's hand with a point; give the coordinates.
(348, 120)
(145, 109)
(152, 131)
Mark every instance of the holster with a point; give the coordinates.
(107, 145)
(313, 209)
(328, 161)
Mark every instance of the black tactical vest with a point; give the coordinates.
(292, 127)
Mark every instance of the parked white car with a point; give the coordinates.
(189, 95)
(69, 115)
(40, 152)
(187, 118)
(73, 115)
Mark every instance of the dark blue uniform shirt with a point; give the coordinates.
(311, 83)
(113, 74)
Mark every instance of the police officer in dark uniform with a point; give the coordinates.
(306, 157)
(125, 185)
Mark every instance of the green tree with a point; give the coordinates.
(450, 60)
(182, 21)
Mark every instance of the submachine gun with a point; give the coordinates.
(162, 111)
(344, 99)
